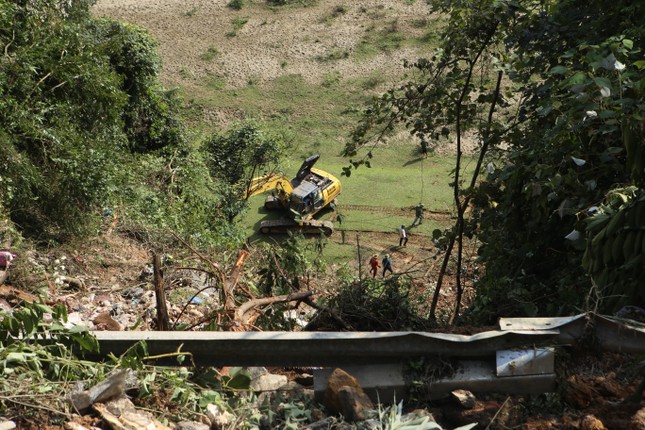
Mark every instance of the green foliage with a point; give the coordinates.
(375, 305)
(26, 325)
(378, 40)
(562, 134)
(27, 344)
(239, 22)
(79, 98)
(615, 251)
(236, 4)
(393, 418)
(576, 144)
(243, 153)
(235, 158)
(284, 269)
(339, 10)
(291, 2)
(210, 54)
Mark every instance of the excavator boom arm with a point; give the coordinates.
(268, 182)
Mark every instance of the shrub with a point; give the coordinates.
(236, 4)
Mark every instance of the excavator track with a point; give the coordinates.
(284, 225)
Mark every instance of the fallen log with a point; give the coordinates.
(247, 313)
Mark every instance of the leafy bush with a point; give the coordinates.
(93, 130)
(235, 158)
(575, 150)
(561, 135)
(236, 4)
(615, 250)
(373, 305)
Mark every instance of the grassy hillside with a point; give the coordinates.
(307, 70)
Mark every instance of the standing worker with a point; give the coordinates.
(418, 213)
(403, 236)
(374, 265)
(387, 264)
(424, 147)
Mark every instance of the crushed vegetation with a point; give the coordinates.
(44, 377)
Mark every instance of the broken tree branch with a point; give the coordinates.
(243, 313)
(231, 280)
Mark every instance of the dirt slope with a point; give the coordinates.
(272, 42)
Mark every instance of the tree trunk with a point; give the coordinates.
(163, 322)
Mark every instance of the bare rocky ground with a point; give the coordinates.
(106, 283)
(272, 42)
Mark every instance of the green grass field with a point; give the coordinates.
(396, 183)
(318, 119)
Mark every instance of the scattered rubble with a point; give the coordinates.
(596, 389)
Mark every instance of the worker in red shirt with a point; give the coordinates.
(374, 265)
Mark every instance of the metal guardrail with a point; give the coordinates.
(327, 349)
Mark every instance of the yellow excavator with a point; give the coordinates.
(309, 192)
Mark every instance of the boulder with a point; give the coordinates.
(465, 398)
(191, 425)
(344, 395)
(589, 422)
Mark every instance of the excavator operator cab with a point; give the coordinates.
(304, 199)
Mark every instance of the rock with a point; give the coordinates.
(324, 424)
(146, 272)
(76, 426)
(134, 420)
(317, 415)
(7, 425)
(465, 398)
(218, 417)
(268, 382)
(638, 420)
(354, 404)
(75, 319)
(262, 380)
(120, 406)
(483, 413)
(578, 393)
(423, 413)
(254, 372)
(5, 306)
(305, 379)
(104, 321)
(344, 395)
(589, 422)
(109, 388)
(608, 386)
(191, 425)
(293, 389)
(195, 313)
(539, 423)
